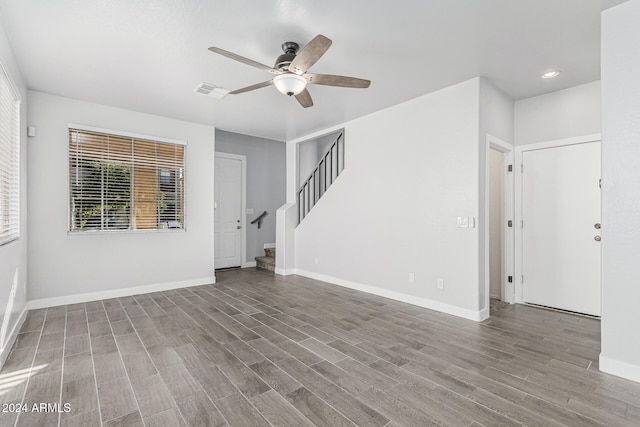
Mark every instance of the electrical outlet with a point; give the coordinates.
(440, 283)
(412, 278)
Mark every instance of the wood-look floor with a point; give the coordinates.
(260, 349)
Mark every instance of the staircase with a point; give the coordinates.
(324, 174)
(267, 262)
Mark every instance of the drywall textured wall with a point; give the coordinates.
(562, 114)
(411, 170)
(13, 255)
(496, 113)
(266, 183)
(621, 190)
(63, 264)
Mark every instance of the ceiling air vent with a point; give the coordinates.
(211, 90)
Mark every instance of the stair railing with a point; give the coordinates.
(259, 219)
(323, 175)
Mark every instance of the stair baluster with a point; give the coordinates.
(325, 173)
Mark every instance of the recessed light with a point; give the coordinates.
(551, 74)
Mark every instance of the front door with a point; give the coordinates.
(228, 210)
(560, 230)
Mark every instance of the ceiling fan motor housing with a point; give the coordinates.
(290, 49)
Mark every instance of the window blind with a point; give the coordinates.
(9, 161)
(124, 183)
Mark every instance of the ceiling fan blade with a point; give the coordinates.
(252, 87)
(310, 54)
(244, 60)
(341, 81)
(304, 98)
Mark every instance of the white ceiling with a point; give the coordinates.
(149, 55)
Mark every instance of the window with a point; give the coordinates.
(9, 160)
(119, 182)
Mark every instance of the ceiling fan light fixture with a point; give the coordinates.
(551, 74)
(290, 83)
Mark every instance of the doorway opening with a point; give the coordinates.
(229, 225)
(496, 223)
(499, 215)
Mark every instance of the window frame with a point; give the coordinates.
(132, 135)
(12, 231)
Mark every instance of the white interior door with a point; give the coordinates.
(228, 210)
(560, 210)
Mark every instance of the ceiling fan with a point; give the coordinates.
(291, 76)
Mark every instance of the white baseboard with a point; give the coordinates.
(465, 313)
(4, 354)
(249, 264)
(285, 271)
(117, 293)
(620, 369)
(269, 245)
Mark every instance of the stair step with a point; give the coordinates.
(266, 263)
(266, 259)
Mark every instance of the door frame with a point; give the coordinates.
(243, 208)
(518, 277)
(506, 289)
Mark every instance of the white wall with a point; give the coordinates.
(621, 190)
(562, 114)
(410, 171)
(63, 264)
(13, 256)
(287, 217)
(496, 113)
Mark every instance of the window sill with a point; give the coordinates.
(121, 232)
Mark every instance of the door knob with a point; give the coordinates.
(597, 238)
(597, 226)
